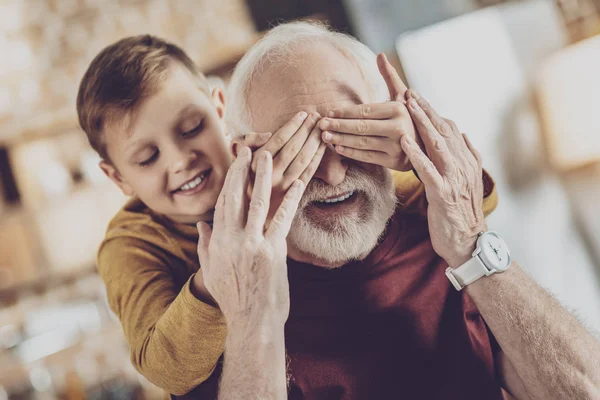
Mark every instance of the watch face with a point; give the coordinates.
(494, 252)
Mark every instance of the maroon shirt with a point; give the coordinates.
(388, 327)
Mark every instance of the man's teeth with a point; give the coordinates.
(194, 183)
(337, 199)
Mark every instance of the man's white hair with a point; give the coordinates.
(279, 45)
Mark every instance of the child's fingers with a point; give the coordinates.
(369, 111)
(302, 159)
(367, 127)
(290, 151)
(282, 136)
(396, 87)
(261, 195)
(368, 156)
(253, 140)
(310, 170)
(376, 143)
(256, 140)
(282, 220)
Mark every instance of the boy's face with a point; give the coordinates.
(172, 153)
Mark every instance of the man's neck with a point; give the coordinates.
(302, 257)
(306, 258)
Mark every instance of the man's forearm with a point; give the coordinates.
(254, 365)
(554, 355)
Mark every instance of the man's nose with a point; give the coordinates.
(332, 169)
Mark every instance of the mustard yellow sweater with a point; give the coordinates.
(147, 262)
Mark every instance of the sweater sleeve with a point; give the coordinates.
(411, 193)
(175, 339)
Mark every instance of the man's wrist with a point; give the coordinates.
(463, 253)
(507, 277)
(256, 337)
(255, 364)
(255, 320)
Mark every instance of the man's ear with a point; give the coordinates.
(112, 173)
(218, 99)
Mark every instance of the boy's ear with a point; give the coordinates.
(218, 99)
(112, 173)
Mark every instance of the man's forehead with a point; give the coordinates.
(318, 96)
(319, 80)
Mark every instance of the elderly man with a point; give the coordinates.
(367, 306)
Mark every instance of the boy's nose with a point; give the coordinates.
(332, 169)
(182, 161)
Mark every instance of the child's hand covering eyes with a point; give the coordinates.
(296, 149)
(372, 132)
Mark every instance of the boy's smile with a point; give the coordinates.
(172, 152)
(194, 185)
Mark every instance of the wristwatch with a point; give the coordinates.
(490, 256)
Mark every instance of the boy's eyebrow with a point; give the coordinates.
(135, 143)
(185, 110)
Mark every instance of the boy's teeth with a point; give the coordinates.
(193, 184)
(337, 199)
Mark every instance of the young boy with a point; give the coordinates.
(158, 127)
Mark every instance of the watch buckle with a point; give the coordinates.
(453, 279)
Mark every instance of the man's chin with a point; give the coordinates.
(333, 234)
(335, 241)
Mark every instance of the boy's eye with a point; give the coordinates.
(149, 160)
(193, 132)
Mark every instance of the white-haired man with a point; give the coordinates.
(366, 309)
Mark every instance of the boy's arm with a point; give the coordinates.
(175, 339)
(411, 193)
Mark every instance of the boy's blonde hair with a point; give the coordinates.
(120, 77)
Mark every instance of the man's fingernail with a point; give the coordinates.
(413, 104)
(331, 113)
(328, 136)
(339, 149)
(415, 95)
(324, 124)
(303, 114)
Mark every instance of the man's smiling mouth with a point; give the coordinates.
(337, 199)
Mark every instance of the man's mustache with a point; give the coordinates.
(357, 179)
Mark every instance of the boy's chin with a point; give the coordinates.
(191, 219)
(191, 214)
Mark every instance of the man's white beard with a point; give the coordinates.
(338, 239)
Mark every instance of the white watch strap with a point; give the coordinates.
(467, 273)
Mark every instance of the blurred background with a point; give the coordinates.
(522, 78)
